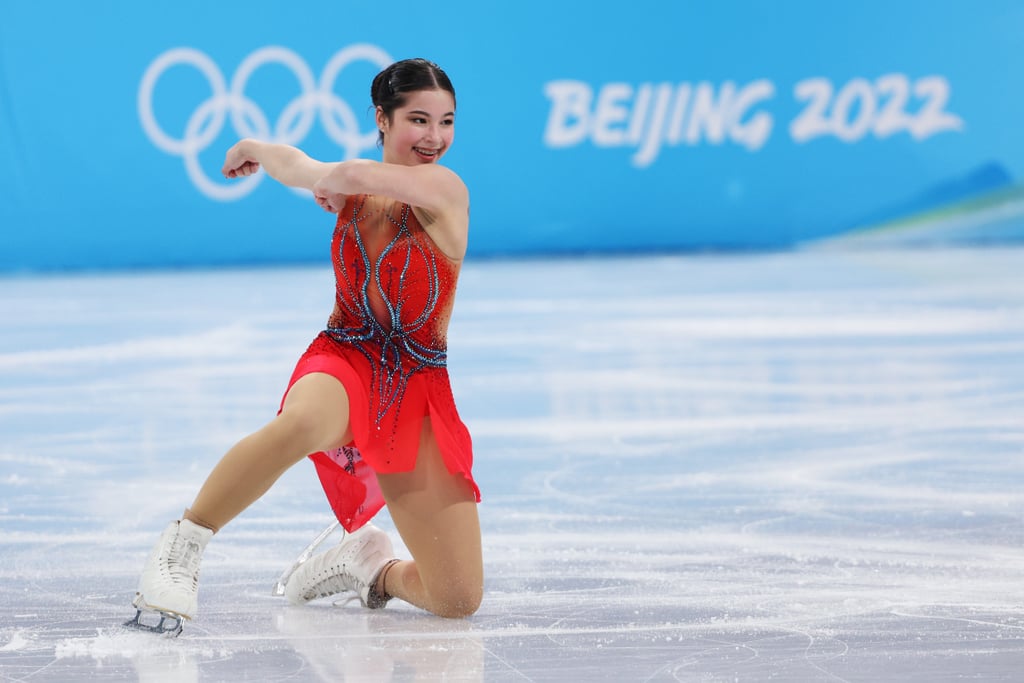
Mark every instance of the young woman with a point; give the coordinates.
(370, 400)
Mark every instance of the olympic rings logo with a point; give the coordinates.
(247, 118)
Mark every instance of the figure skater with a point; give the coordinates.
(370, 400)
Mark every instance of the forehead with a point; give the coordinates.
(435, 102)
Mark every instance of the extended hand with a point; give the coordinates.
(239, 161)
(328, 200)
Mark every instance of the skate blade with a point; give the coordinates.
(167, 624)
(278, 589)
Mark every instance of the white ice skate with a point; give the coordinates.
(307, 553)
(169, 586)
(351, 566)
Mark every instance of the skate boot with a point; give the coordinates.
(352, 565)
(169, 585)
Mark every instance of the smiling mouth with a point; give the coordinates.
(426, 152)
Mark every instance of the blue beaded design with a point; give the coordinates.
(394, 349)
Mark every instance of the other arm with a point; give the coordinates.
(431, 187)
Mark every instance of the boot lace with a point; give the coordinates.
(181, 563)
(331, 581)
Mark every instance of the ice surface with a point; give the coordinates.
(792, 466)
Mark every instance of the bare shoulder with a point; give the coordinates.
(445, 216)
(447, 184)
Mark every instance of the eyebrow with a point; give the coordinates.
(420, 111)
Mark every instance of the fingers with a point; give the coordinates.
(326, 204)
(239, 161)
(246, 168)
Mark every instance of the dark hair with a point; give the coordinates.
(391, 85)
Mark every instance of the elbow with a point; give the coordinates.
(350, 177)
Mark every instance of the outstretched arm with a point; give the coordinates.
(431, 187)
(288, 165)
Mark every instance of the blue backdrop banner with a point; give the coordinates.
(582, 126)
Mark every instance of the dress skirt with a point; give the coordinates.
(386, 418)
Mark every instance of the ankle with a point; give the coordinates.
(379, 595)
(199, 521)
(382, 583)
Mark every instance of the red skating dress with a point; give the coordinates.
(386, 342)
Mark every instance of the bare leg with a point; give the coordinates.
(314, 418)
(436, 514)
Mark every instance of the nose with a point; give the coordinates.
(433, 133)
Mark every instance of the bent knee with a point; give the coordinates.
(315, 414)
(307, 432)
(458, 602)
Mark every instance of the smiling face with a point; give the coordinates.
(421, 130)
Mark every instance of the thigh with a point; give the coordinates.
(436, 514)
(316, 412)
